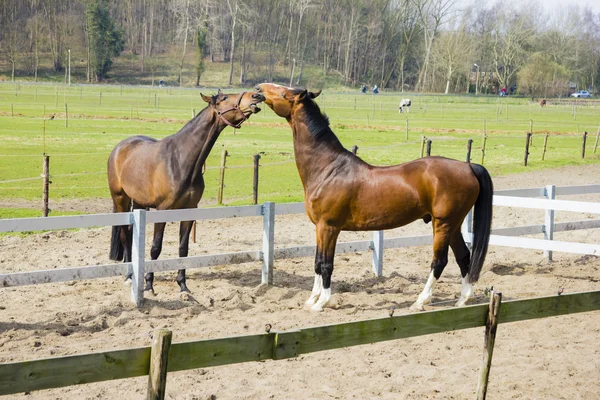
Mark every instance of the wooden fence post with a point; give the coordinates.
(159, 360)
(194, 231)
(222, 176)
(66, 116)
(428, 147)
(550, 194)
(12, 111)
(527, 149)
(488, 347)
(545, 143)
(354, 149)
(583, 145)
(423, 140)
(407, 129)
(100, 99)
(377, 247)
(268, 256)
(469, 145)
(483, 149)
(138, 249)
(597, 137)
(45, 185)
(255, 180)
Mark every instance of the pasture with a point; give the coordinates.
(549, 358)
(33, 121)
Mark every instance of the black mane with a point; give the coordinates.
(316, 121)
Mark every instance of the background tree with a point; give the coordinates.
(200, 53)
(542, 77)
(104, 40)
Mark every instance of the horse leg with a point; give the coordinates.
(326, 241)
(184, 240)
(157, 241)
(441, 239)
(122, 203)
(463, 259)
(318, 284)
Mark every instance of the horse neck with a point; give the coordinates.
(312, 153)
(197, 138)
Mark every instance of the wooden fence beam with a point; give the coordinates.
(222, 176)
(159, 360)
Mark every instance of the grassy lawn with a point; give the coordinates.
(101, 116)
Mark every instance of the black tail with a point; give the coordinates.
(116, 247)
(482, 221)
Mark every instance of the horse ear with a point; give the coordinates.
(314, 95)
(219, 92)
(207, 99)
(302, 95)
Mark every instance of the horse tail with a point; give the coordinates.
(482, 221)
(116, 247)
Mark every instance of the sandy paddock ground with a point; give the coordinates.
(554, 358)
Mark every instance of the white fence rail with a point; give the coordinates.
(268, 253)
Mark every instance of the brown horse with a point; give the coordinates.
(542, 103)
(167, 174)
(342, 192)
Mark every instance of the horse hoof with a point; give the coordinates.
(127, 282)
(310, 302)
(416, 307)
(461, 302)
(316, 308)
(185, 296)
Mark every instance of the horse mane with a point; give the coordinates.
(316, 121)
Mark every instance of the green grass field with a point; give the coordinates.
(101, 116)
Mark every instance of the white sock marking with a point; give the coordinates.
(466, 292)
(323, 300)
(426, 294)
(316, 290)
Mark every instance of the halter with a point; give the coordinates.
(234, 108)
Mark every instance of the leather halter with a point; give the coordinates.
(234, 108)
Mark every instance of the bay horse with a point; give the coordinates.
(167, 174)
(542, 103)
(342, 192)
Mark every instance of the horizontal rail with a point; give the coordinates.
(16, 377)
(170, 264)
(64, 274)
(65, 222)
(192, 214)
(540, 192)
(542, 244)
(557, 205)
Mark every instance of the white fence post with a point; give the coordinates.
(549, 193)
(268, 242)
(138, 251)
(377, 245)
(467, 229)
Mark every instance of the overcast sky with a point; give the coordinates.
(550, 6)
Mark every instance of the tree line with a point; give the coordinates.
(423, 45)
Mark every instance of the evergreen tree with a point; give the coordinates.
(104, 39)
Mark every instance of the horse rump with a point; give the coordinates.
(482, 221)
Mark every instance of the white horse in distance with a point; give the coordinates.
(404, 103)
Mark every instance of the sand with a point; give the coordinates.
(553, 358)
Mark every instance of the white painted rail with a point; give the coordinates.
(522, 198)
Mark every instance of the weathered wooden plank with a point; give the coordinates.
(576, 225)
(66, 222)
(159, 362)
(291, 344)
(530, 192)
(193, 214)
(73, 370)
(290, 208)
(213, 352)
(63, 274)
(170, 264)
(558, 205)
(491, 327)
(541, 244)
(551, 306)
(421, 240)
(583, 189)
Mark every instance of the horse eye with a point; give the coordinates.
(224, 98)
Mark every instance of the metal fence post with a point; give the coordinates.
(268, 242)
(138, 250)
(378, 253)
(550, 194)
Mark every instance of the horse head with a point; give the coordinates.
(284, 100)
(234, 109)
